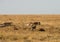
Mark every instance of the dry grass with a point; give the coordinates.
(21, 31)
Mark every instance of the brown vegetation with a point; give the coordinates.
(29, 28)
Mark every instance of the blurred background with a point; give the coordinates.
(29, 6)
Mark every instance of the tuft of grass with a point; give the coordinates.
(2, 37)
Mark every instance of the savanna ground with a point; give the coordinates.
(20, 31)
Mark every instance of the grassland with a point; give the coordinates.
(21, 31)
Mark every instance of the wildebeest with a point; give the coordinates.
(41, 29)
(1, 25)
(6, 24)
(33, 27)
(34, 24)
